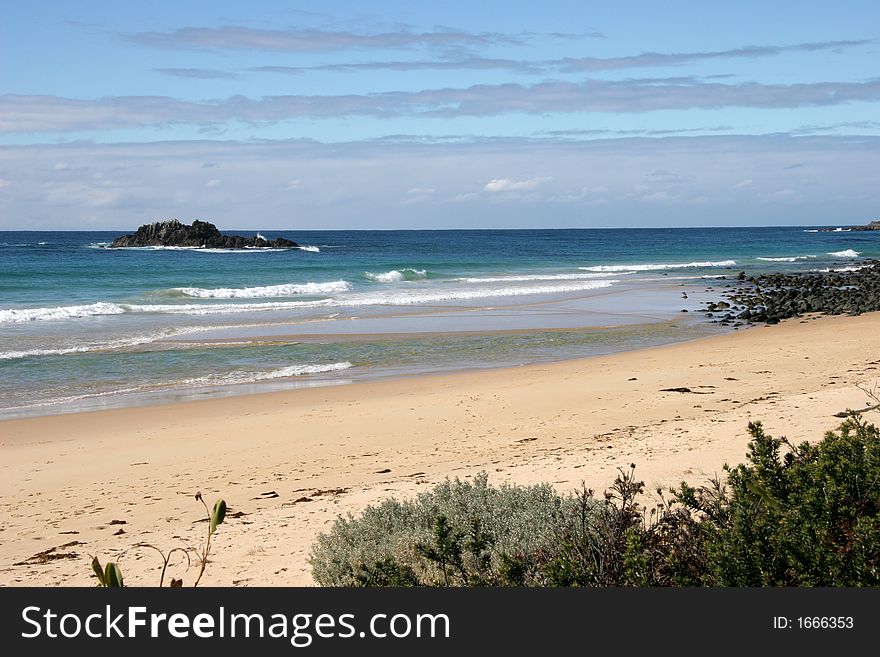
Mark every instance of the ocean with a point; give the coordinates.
(84, 327)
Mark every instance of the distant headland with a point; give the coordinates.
(201, 234)
(874, 225)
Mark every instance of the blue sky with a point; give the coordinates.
(455, 114)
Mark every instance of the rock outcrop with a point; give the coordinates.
(770, 298)
(200, 235)
(874, 225)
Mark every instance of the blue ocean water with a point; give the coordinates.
(83, 326)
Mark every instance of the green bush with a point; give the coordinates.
(808, 517)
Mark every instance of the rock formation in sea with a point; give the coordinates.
(201, 234)
(874, 225)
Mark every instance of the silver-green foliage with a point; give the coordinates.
(518, 520)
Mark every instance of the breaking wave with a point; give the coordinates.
(240, 376)
(657, 266)
(397, 275)
(263, 291)
(387, 298)
(786, 258)
(539, 277)
(459, 294)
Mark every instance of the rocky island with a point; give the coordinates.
(201, 234)
(874, 225)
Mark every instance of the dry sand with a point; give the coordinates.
(287, 463)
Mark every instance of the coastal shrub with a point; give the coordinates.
(458, 533)
(807, 517)
(621, 543)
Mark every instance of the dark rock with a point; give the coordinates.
(200, 235)
(770, 298)
(874, 225)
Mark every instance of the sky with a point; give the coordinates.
(273, 114)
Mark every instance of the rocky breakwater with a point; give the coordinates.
(201, 235)
(770, 298)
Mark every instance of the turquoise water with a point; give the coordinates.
(83, 326)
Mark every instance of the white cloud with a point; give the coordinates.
(213, 183)
(292, 185)
(78, 194)
(744, 183)
(660, 196)
(507, 185)
(4, 183)
(35, 113)
(147, 181)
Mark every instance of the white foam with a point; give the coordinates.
(14, 355)
(395, 275)
(75, 398)
(225, 379)
(409, 298)
(389, 298)
(811, 231)
(540, 277)
(238, 377)
(657, 266)
(221, 308)
(842, 269)
(109, 345)
(786, 258)
(247, 249)
(19, 315)
(849, 253)
(264, 291)
(311, 249)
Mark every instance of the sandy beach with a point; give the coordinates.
(287, 463)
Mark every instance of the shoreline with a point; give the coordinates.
(329, 450)
(620, 332)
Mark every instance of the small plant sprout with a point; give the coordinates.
(175, 583)
(111, 575)
(215, 518)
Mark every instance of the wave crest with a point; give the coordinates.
(20, 315)
(658, 266)
(397, 275)
(239, 377)
(410, 299)
(538, 277)
(786, 258)
(848, 253)
(263, 291)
